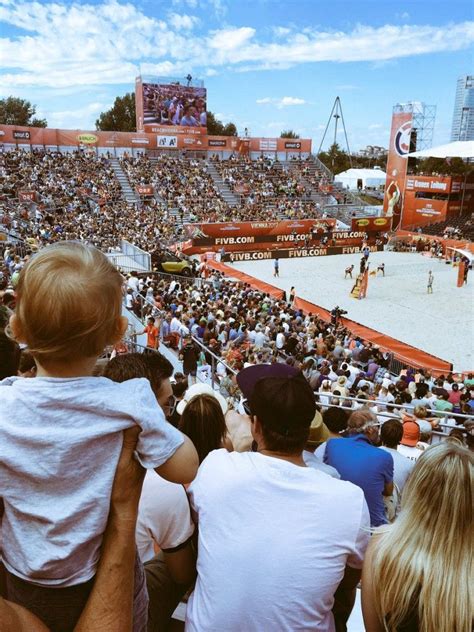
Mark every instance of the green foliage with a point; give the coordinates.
(16, 111)
(120, 117)
(289, 133)
(441, 166)
(217, 128)
(335, 159)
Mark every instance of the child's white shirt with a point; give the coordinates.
(60, 441)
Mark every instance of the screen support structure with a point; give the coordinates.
(336, 114)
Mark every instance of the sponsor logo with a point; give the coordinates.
(380, 221)
(143, 141)
(293, 145)
(87, 139)
(234, 240)
(21, 135)
(167, 141)
(348, 235)
(2, 133)
(268, 145)
(363, 222)
(249, 256)
(217, 143)
(402, 139)
(311, 252)
(226, 228)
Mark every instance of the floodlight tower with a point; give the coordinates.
(336, 114)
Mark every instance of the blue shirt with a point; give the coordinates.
(361, 463)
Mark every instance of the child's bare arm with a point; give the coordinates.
(182, 466)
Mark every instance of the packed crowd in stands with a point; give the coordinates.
(282, 434)
(240, 493)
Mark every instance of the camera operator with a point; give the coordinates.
(336, 314)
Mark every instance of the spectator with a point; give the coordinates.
(261, 497)
(202, 413)
(409, 444)
(68, 309)
(164, 520)
(391, 435)
(9, 349)
(335, 420)
(358, 460)
(431, 538)
(109, 605)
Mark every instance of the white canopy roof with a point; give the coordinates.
(363, 173)
(458, 149)
(465, 253)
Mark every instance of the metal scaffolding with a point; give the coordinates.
(423, 122)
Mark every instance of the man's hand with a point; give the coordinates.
(128, 481)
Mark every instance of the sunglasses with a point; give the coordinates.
(170, 405)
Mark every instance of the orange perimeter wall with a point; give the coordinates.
(403, 352)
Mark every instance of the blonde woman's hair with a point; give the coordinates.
(423, 563)
(68, 304)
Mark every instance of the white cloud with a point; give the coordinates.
(186, 22)
(375, 126)
(281, 103)
(82, 44)
(79, 118)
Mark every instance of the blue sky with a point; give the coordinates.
(268, 65)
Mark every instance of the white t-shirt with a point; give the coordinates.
(60, 443)
(402, 466)
(163, 516)
(274, 540)
(410, 453)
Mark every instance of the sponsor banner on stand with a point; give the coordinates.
(296, 253)
(397, 162)
(145, 189)
(216, 142)
(159, 137)
(26, 196)
(252, 229)
(371, 224)
(21, 135)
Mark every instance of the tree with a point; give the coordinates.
(335, 159)
(121, 116)
(289, 133)
(16, 111)
(217, 128)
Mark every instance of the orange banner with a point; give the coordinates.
(461, 271)
(167, 138)
(397, 165)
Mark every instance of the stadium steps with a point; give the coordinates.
(314, 196)
(226, 194)
(175, 216)
(127, 192)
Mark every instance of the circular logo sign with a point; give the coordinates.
(380, 221)
(363, 222)
(88, 139)
(402, 139)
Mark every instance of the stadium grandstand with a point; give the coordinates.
(282, 432)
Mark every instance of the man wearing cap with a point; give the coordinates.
(260, 513)
(410, 439)
(358, 460)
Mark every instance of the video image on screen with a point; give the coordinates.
(174, 104)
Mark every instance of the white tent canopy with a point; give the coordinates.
(458, 149)
(369, 177)
(463, 252)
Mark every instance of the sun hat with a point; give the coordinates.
(318, 432)
(200, 389)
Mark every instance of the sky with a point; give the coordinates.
(268, 65)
